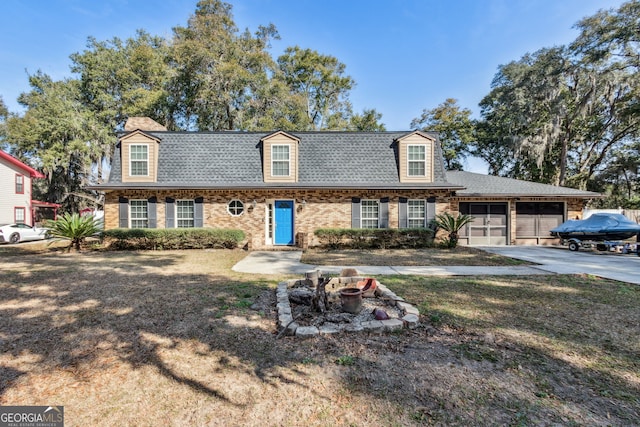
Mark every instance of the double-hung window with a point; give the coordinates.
(19, 184)
(416, 160)
(139, 160)
(185, 214)
(139, 213)
(19, 214)
(370, 214)
(416, 211)
(280, 160)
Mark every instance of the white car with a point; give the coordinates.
(14, 233)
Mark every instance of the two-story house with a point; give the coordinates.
(16, 204)
(279, 187)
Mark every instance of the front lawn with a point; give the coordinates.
(169, 338)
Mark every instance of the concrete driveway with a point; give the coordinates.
(625, 268)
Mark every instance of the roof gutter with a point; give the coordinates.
(107, 187)
(32, 172)
(526, 196)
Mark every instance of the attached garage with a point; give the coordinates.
(490, 223)
(535, 219)
(513, 212)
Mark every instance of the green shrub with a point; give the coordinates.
(172, 238)
(452, 225)
(374, 238)
(345, 360)
(74, 228)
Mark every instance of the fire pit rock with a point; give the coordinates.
(296, 316)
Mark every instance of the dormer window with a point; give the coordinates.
(139, 159)
(280, 160)
(140, 152)
(416, 158)
(280, 157)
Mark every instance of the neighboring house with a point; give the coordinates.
(16, 205)
(279, 187)
(45, 211)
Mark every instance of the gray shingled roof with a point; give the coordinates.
(488, 185)
(233, 160)
(326, 160)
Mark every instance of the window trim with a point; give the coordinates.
(193, 213)
(17, 209)
(362, 211)
(423, 161)
(19, 185)
(145, 219)
(288, 160)
(422, 219)
(241, 207)
(270, 221)
(131, 160)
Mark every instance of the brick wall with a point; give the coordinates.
(321, 208)
(574, 208)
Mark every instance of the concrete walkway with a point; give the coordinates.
(624, 268)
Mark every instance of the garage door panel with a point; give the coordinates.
(489, 226)
(537, 219)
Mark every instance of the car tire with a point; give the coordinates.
(14, 238)
(574, 246)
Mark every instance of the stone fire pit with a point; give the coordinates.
(297, 317)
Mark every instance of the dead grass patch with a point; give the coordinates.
(148, 338)
(462, 255)
(35, 247)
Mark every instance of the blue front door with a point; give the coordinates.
(284, 222)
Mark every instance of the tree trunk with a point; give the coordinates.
(319, 302)
(563, 162)
(453, 239)
(312, 277)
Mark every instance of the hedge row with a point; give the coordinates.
(172, 238)
(375, 238)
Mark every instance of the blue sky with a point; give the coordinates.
(405, 55)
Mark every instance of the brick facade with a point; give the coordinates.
(320, 209)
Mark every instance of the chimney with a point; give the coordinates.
(142, 123)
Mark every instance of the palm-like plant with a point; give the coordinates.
(452, 225)
(74, 228)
